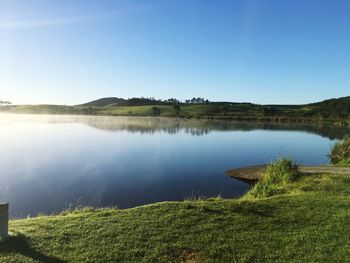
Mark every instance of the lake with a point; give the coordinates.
(51, 163)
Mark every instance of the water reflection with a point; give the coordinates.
(50, 162)
(195, 127)
(198, 127)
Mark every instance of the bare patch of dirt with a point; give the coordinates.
(190, 257)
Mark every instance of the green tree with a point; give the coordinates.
(156, 111)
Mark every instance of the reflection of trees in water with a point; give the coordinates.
(170, 130)
(194, 127)
(197, 127)
(329, 131)
(197, 131)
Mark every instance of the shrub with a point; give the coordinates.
(156, 111)
(281, 171)
(340, 152)
(277, 173)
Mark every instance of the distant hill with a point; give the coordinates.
(328, 111)
(331, 109)
(342, 103)
(333, 101)
(339, 108)
(114, 101)
(105, 102)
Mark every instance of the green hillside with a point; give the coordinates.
(333, 110)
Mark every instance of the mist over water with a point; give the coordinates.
(49, 163)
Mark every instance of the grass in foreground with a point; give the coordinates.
(309, 222)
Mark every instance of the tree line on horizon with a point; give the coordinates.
(332, 109)
(336, 109)
(144, 101)
(5, 102)
(194, 100)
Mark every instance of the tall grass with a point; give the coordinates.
(276, 175)
(340, 152)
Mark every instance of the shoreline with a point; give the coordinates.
(252, 174)
(249, 119)
(216, 111)
(211, 230)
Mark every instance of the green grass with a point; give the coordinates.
(277, 174)
(307, 222)
(165, 110)
(340, 152)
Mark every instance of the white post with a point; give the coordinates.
(4, 220)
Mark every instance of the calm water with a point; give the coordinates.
(48, 163)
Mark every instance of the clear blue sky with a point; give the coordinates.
(262, 51)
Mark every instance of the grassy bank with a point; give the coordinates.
(306, 221)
